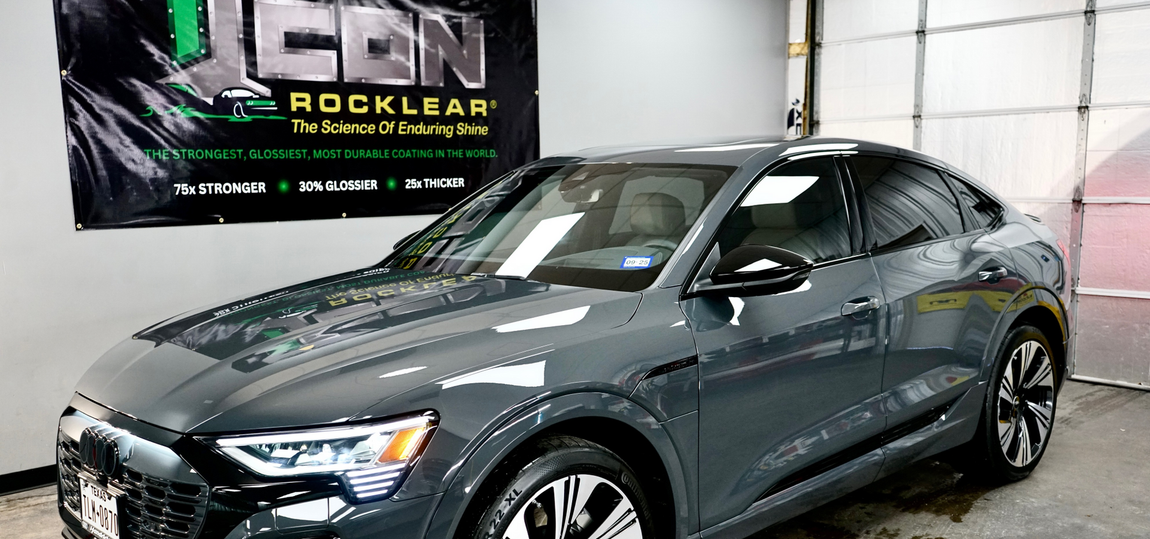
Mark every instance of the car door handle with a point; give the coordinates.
(860, 305)
(992, 274)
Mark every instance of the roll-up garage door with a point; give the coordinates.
(1046, 101)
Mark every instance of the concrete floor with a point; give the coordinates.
(1094, 482)
(30, 514)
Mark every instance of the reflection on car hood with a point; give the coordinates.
(323, 351)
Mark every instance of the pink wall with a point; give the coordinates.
(1116, 246)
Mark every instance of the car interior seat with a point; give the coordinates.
(657, 220)
(803, 226)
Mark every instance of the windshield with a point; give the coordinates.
(610, 226)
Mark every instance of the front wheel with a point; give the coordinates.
(1019, 412)
(564, 487)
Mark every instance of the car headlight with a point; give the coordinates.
(371, 461)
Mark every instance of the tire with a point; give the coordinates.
(1016, 425)
(593, 492)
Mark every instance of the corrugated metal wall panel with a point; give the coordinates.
(852, 19)
(1035, 64)
(1018, 155)
(955, 12)
(1101, 4)
(1121, 53)
(1046, 103)
(1113, 332)
(1116, 248)
(1118, 155)
(867, 79)
(1057, 216)
(1112, 337)
(894, 132)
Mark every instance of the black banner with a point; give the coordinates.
(223, 111)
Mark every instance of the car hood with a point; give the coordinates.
(325, 351)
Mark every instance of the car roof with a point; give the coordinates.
(730, 152)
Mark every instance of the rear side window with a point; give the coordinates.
(798, 207)
(908, 203)
(984, 208)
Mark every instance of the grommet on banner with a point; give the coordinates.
(63, 72)
(79, 226)
(221, 219)
(536, 92)
(345, 215)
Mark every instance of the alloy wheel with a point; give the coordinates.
(579, 506)
(1025, 403)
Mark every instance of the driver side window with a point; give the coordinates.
(798, 207)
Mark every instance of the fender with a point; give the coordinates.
(1027, 297)
(472, 471)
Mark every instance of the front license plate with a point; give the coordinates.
(98, 511)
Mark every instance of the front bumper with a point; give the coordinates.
(172, 487)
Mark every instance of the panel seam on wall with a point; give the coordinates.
(1000, 112)
(1039, 200)
(1120, 105)
(1127, 7)
(1093, 380)
(873, 37)
(963, 113)
(1115, 200)
(1043, 17)
(1112, 293)
(885, 118)
(977, 25)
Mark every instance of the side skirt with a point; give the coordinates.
(930, 433)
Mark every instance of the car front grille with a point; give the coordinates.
(152, 507)
(68, 457)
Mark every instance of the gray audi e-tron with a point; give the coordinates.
(628, 342)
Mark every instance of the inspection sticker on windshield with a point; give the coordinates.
(636, 262)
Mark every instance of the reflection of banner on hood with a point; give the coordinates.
(214, 111)
(318, 314)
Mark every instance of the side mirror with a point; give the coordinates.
(755, 270)
(403, 240)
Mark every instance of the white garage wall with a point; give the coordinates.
(1047, 103)
(865, 83)
(943, 13)
(1020, 156)
(898, 132)
(1114, 287)
(68, 296)
(855, 19)
(1121, 48)
(610, 72)
(1003, 67)
(617, 72)
(867, 79)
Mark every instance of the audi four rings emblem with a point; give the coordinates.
(99, 451)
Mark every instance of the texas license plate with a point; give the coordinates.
(98, 511)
